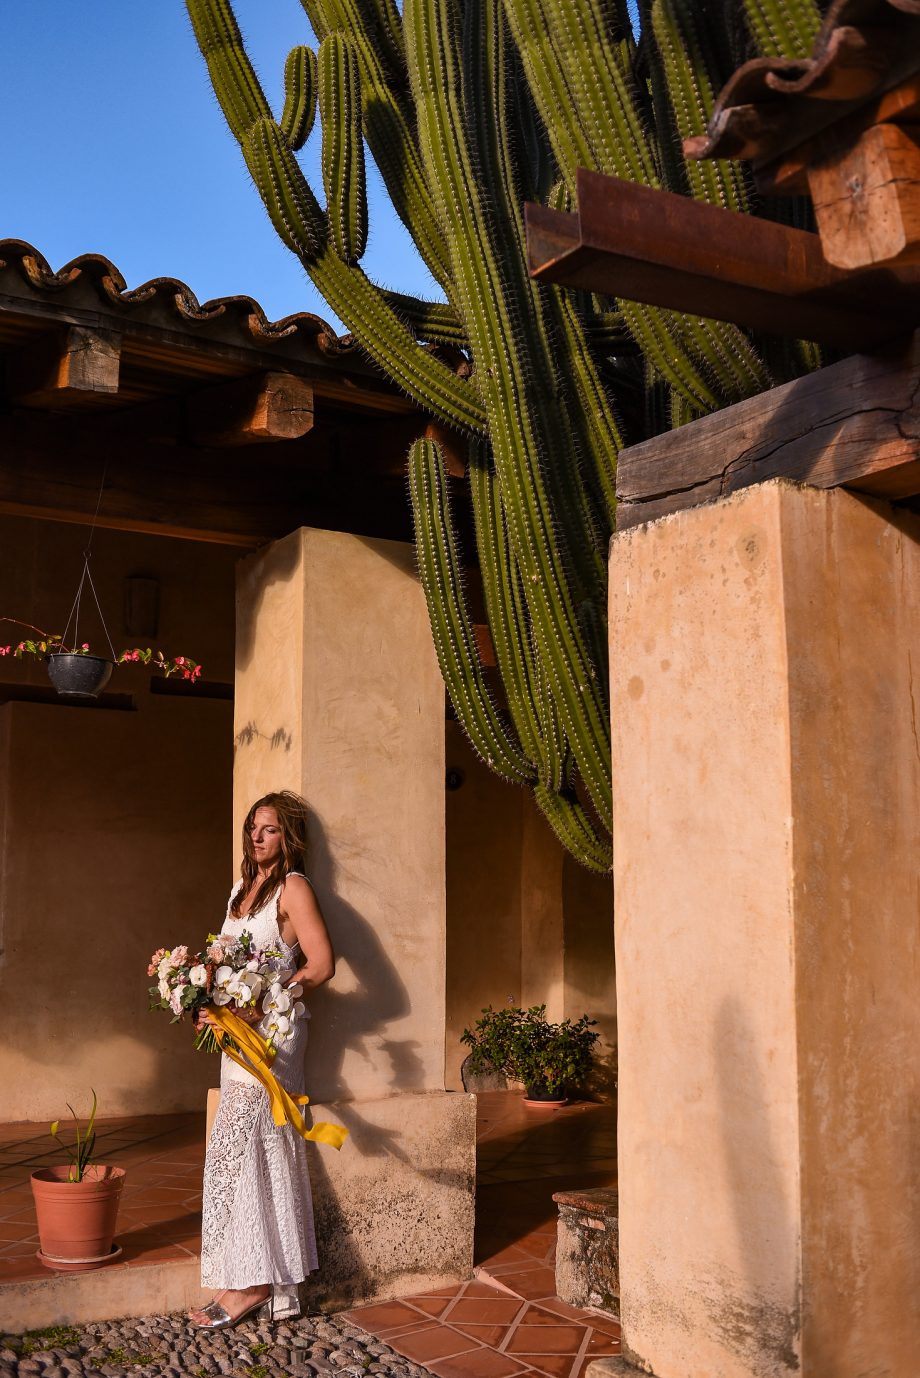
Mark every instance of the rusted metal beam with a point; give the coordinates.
(854, 424)
(670, 251)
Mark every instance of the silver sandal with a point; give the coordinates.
(221, 1318)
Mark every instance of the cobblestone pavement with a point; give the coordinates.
(167, 1347)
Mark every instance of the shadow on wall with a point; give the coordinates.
(358, 1018)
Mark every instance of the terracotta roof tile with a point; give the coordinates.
(770, 105)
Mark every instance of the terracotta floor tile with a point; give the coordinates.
(478, 1289)
(541, 1315)
(432, 1306)
(485, 1334)
(383, 1316)
(449, 1291)
(532, 1284)
(434, 1342)
(422, 1323)
(561, 1308)
(511, 1254)
(546, 1339)
(481, 1363)
(552, 1365)
(603, 1344)
(610, 1324)
(493, 1310)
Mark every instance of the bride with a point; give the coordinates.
(257, 1240)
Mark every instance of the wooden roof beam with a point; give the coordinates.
(854, 424)
(652, 246)
(247, 411)
(64, 369)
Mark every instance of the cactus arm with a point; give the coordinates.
(440, 573)
(433, 321)
(576, 63)
(592, 416)
(389, 122)
(689, 72)
(233, 77)
(508, 621)
(299, 96)
(343, 148)
(296, 215)
(574, 829)
(502, 347)
(783, 28)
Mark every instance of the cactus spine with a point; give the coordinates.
(469, 107)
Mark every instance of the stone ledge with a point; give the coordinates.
(102, 1295)
(588, 1248)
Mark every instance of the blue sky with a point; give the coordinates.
(114, 144)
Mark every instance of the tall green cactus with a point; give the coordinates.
(469, 108)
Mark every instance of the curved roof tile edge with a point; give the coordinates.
(766, 80)
(113, 290)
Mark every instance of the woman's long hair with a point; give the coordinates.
(292, 817)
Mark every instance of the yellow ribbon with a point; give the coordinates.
(259, 1056)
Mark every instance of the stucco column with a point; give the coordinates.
(765, 659)
(338, 697)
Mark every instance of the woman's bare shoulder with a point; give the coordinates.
(297, 886)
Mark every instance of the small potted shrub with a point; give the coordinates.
(550, 1059)
(77, 1205)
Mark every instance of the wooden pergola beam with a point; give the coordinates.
(246, 411)
(66, 368)
(854, 424)
(50, 468)
(652, 246)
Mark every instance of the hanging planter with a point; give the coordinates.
(72, 668)
(78, 675)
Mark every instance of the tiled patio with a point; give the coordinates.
(506, 1321)
(159, 1219)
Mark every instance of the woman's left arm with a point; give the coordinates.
(300, 907)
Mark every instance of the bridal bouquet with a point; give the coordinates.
(232, 971)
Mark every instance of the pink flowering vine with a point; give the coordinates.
(44, 644)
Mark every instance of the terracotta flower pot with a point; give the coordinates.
(78, 676)
(76, 1220)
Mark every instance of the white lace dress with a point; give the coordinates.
(257, 1218)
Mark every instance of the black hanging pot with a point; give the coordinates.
(76, 676)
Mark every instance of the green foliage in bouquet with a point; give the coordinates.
(527, 1047)
(470, 108)
(80, 1152)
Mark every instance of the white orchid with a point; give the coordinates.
(277, 1000)
(221, 993)
(277, 1027)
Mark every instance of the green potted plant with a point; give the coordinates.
(77, 1204)
(550, 1059)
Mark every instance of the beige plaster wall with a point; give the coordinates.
(766, 812)
(339, 697)
(484, 823)
(523, 921)
(115, 828)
